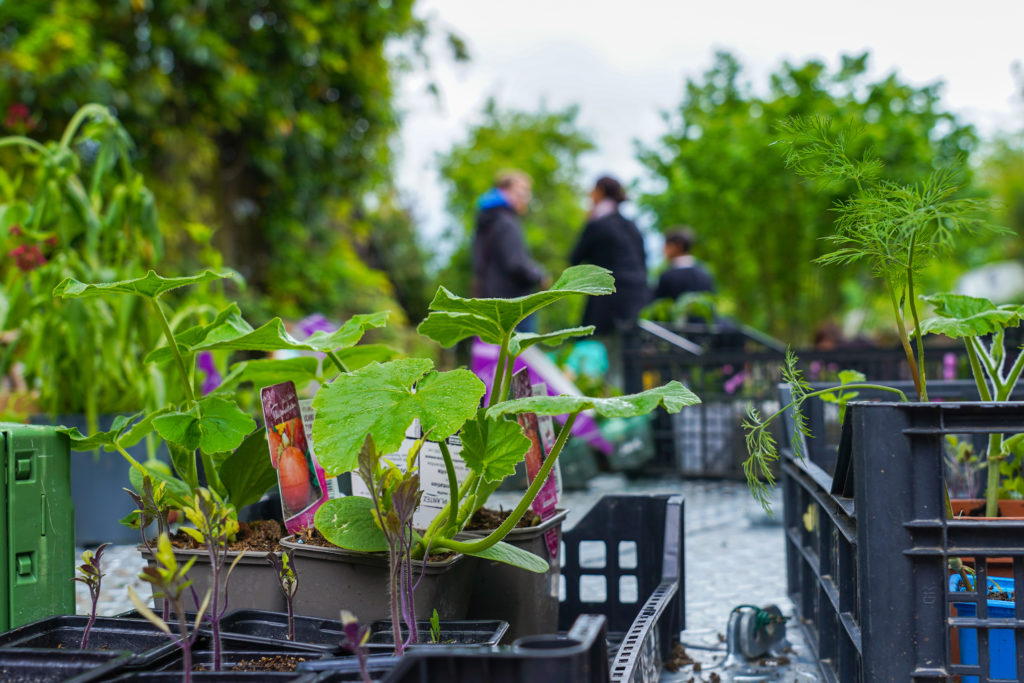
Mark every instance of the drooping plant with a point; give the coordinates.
(284, 567)
(91, 575)
(169, 581)
(381, 400)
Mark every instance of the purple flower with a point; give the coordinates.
(312, 324)
(212, 377)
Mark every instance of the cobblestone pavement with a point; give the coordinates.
(734, 555)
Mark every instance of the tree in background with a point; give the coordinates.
(1002, 173)
(545, 144)
(269, 120)
(760, 226)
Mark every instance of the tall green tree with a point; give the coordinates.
(270, 121)
(760, 226)
(545, 144)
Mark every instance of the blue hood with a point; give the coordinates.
(491, 199)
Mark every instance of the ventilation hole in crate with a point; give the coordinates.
(592, 555)
(627, 554)
(561, 554)
(561, 588)
(629, 589)
(593, 588)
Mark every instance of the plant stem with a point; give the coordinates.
(94, 593)
(453, 488)
(904, 340)
(78, 119)
(333, 356)
(524, 503)
(976, 369)
(26, 141)
(498, 387)
(995, 447)
(169, 335)
(922, 383)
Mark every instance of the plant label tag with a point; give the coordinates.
(299, 476)
(336, 486)
(433, 474)
(547, 498)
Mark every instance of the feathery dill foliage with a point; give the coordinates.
(897, 228)
(762, 449)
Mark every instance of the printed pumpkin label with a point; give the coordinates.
(300, 477)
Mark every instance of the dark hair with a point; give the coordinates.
(683, 237)
(611, 189)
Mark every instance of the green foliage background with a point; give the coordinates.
(760, 225)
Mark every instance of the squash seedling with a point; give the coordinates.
(91, 576)
(169, 581)
(381, 400)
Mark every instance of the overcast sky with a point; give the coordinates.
(624, 63)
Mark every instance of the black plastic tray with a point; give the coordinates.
(20, 665)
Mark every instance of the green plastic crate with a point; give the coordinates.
(38, 519)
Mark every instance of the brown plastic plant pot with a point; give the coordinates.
(332, 579)
(527, 601)
(253, 585)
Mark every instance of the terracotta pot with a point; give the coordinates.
(1008, 509)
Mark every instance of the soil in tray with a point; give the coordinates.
(254, 537)
(311, 536)
(284, 663)
(486, 518)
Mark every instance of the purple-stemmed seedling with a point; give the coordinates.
(92, 577)
(289, 584)
(215, 523)
(355, 639)
(151, 506)
(169, 580)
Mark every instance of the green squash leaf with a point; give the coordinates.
(355, 357)
(273, 336)
(493, 447)
(968, 316)
(521, 341)
(378, 400)
(517, 557)
(348, 523)
(228, 324)
(266, 372)
(179, 493)
(672, 396)
(454, 318)
(150, 286)
(104, 439)
(213, 426)
(248, 473)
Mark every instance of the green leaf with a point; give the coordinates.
(521, 341)
(378, 400)
(178, 491)
(348, 523)
(248, 472)
(454, 318)
(968, 316)
(184, 462)
(213, 425)
(228, 324)
(151, 286)
(273, 336)
(517, 557)
(356, 357)
(265, 372)
(672, 396)
(106, 440)
(493, 447)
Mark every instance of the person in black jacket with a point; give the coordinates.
(502, 266)
(685, 273)
(613, 242)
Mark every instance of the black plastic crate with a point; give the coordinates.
(868, 550)
(632, 546)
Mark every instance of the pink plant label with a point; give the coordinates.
(546, 501)
(300, 477)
